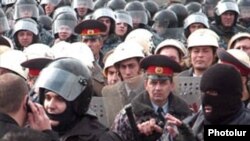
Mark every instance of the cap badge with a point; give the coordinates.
(90, 32)
(158, 70)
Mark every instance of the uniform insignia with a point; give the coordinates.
(158, 70)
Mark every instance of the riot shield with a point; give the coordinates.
(120, 94)
(97, 106)
(113, 101)
(174, 33)
(188, 88)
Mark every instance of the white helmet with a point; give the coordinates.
(110, 61)
(59, 49)
(174, 43)
(241, 56)
(236, 37)
(76, 50)
(38, 56)
(38, 50)
(82, 52)
(143, 37)
(127, 50)
(203, 37)
(4, 48)
(12, 60)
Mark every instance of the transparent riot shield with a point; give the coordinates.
(174, 33)
(118, 95)
(113, 102)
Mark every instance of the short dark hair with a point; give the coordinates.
(12, 88)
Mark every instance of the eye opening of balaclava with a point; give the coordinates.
(225, 82)
(66, 119)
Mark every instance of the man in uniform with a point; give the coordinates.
(157, 100)
(65, 91)
(225, 24)
(91, 31)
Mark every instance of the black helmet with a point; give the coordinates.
(134, 5)
(116, 4)
(70, 79)
(180, 11)
(40, 10)
(45, 21)
(26, 9)
(208, 8)
(4, 26)
(199, 1)
(244, 6)
(138, 12)
(100, 3)
(193, 7)
(63, 9)
(165, 18)
(151, 6)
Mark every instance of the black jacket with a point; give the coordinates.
(197, 122)
(8, 124)
(90, 129)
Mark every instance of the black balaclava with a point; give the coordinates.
(224, 80)
(67, 119)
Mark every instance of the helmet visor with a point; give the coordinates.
(139, 17)
(244, 12)
(4, 24)
(64, 83)
(26, 11)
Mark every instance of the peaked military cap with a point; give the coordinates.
(36, 65)
(4, 41)
(159, 66)
(90, 28)
(235, 57)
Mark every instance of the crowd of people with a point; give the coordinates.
(56, 55)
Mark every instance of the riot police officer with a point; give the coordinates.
(225, 24)
(65, 91)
